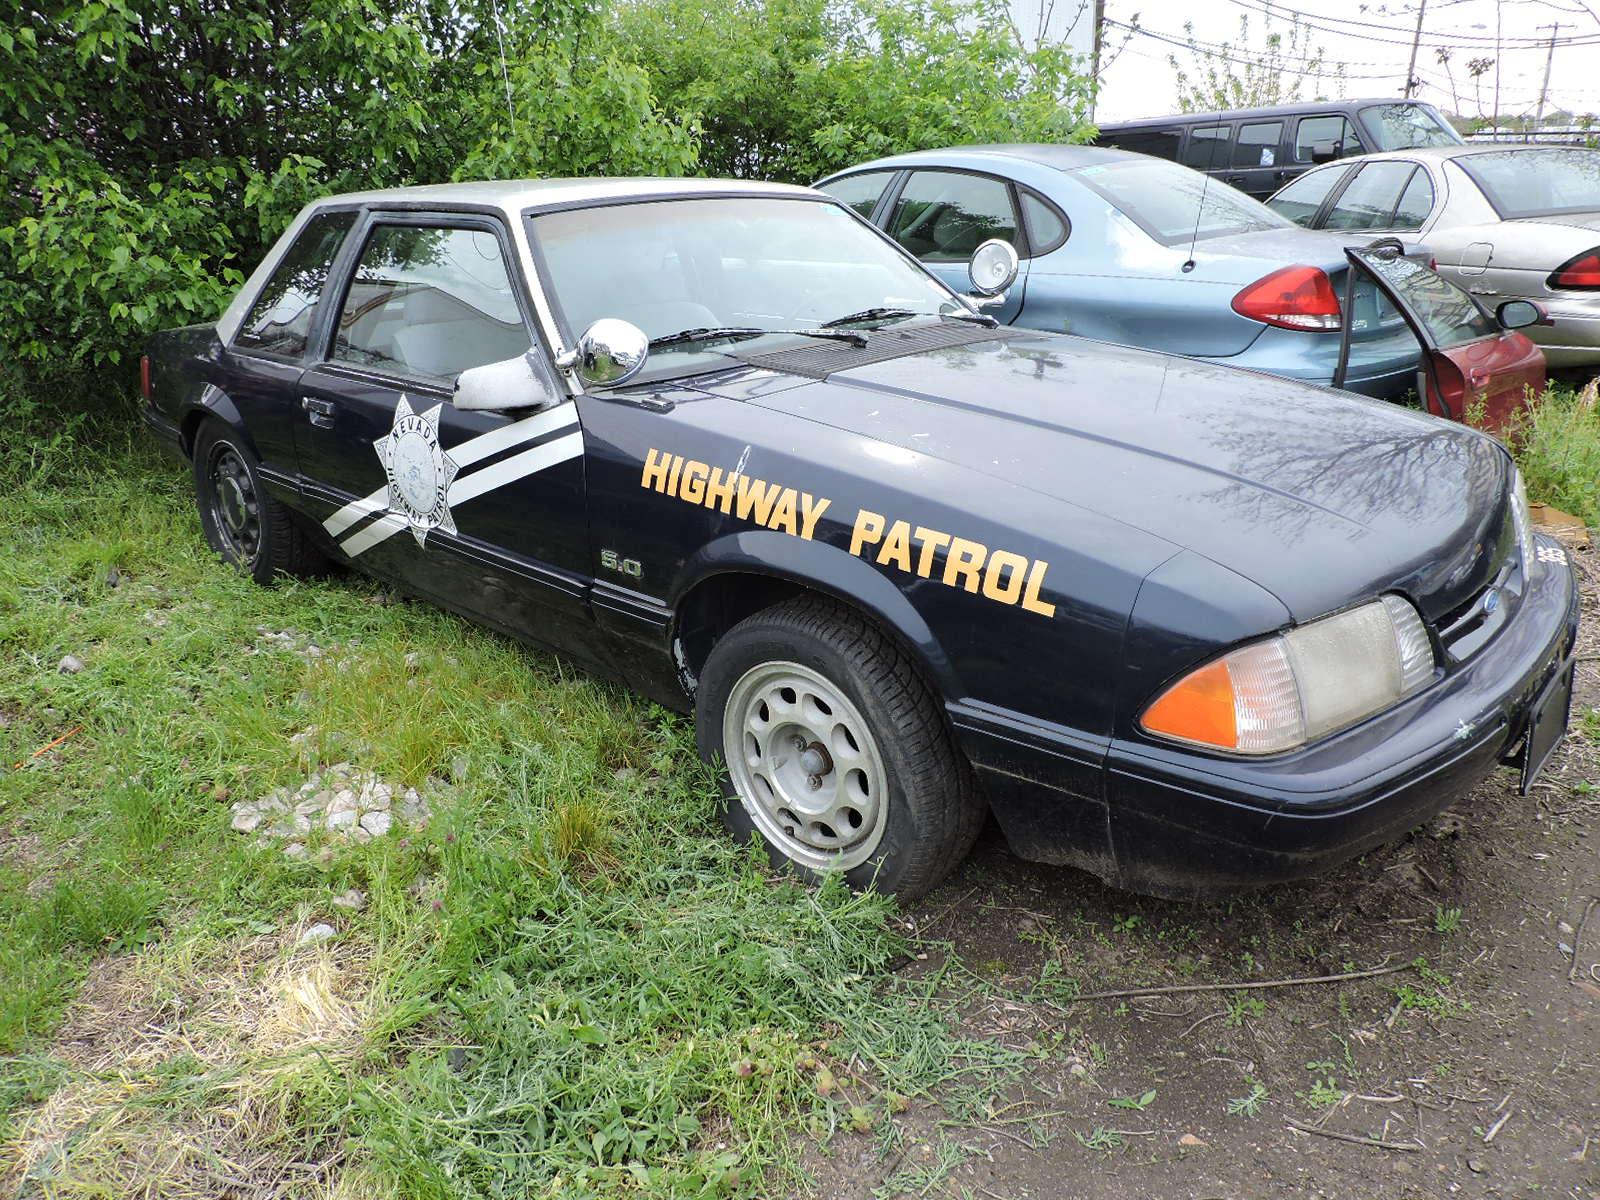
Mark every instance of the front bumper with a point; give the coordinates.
(1170, 822)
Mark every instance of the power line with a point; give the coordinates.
(1269, 8)
(1233, 56)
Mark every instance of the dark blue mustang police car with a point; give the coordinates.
(1185, 626)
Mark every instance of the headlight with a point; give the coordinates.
(1522, 520)
(1283, 692)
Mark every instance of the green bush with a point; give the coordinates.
(150, 151)
(1557, 445)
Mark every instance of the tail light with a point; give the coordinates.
(144, 377)
(1447, 388)
(1582, 272)
(1293, 298)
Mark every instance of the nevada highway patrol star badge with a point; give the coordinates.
(419, 470)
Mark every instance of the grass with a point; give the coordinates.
(570, 981)
(1557, 445)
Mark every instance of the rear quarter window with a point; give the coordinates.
(279, 322)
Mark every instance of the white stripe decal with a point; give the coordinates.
(468, 452)
(470, 487)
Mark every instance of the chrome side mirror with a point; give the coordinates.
(609, 353)
(1519, 314)
(993, 268)
(514, 383)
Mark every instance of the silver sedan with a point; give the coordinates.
(1504, 222)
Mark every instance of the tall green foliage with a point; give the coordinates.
(793, 89)
(151, 149)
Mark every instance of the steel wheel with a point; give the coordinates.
(805, 765)
(235, 507)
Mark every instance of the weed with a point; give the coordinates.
(1324, 1093)
(1100, 1138)
(1446, 920)
(1241, 1007)
(1248, 1105)
(1137, 1103)
(1557, 445)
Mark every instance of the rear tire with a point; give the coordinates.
(835, 751)
(242, 523)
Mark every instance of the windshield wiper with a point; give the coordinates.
(880, 313)
(739, 333)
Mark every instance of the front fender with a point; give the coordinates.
(826, 568)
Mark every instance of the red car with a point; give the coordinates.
(1475, 366)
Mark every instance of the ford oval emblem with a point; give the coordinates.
(1491, 601)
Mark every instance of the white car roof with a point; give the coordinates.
(514, 195)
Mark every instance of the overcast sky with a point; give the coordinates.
(1139, 80)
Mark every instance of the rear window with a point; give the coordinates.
(1537, 181)
(279, 322)
(860, 192)
(1173, 204)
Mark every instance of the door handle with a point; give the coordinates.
(321, 412)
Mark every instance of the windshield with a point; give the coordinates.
(1165, 201)
(1449, 315)
(1405, 126)
(707, 263)
(1537, 181)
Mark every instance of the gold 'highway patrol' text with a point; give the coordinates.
(998, 575)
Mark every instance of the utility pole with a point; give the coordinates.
(1416, 39)
(1544, 88)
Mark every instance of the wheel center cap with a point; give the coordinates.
(815, 760)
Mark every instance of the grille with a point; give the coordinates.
(821, 359)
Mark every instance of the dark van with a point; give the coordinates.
(1258, 150)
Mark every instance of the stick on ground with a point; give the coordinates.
(1236, 987)
(1356, 1139)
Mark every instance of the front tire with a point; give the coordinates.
(242, 523)
(835, 751)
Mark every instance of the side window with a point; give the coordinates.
(1416, 202)
(430, 301)
(1257, 145)
(860, 192)
(1325, 137)
(1208, 147)
(280, 320)
(943, 216)
(1159, 143)
(1370, 199)
(1300, 200)
(1046, 228)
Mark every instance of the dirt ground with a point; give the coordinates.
(1481, 1074)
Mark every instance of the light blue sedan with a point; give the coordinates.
(1136, 250)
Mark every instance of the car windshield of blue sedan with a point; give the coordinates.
(708, 263)
(1173, 204)
(1537, 181)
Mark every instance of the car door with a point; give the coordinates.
(1372, 197)
(943, 215)
(1471, 366)
(262, 365)
(482, 511)
(1256, 163)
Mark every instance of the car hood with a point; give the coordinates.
(1318, 496)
